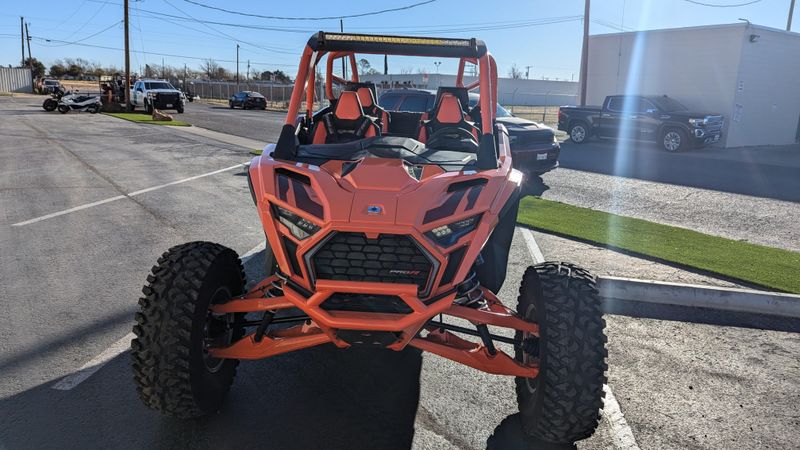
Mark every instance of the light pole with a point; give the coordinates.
(438, 77)
(127, 63)
(788, 21)
(237, 67)
(585, 53)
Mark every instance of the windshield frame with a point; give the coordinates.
(149, 85)
(667, 104)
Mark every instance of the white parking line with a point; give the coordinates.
(621, 433)
(120, 197)
(94, 364)
(533, 247)
(87, 370)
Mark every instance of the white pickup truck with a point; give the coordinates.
(158, 94)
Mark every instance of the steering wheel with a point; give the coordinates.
(452, 138)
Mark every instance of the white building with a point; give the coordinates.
(510, 91)
(750, 74)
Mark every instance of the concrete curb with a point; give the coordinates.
(680, 294)
(226, 138)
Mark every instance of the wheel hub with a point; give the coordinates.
(672, 141)
(217, 331)
(578, 133)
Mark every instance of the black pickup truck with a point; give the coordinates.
(653, 118)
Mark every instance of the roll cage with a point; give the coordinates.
(345, 45)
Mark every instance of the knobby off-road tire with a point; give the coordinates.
(172, 372)
(562, 404)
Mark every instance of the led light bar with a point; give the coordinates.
(397, 45)
(406, 40)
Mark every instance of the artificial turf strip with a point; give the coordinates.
(146, 118)
(756, 264)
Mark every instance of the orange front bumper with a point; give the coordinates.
(323, 325)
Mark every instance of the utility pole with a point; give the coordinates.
(22, 38)
(237, 67)
(247, 77)
(585, 53)
(127, 61)
(527, 72)
(344, 60)
(30, 56)
(788, 21)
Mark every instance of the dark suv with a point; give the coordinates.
(534, 147)
(248, 100)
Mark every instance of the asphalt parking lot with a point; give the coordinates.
(89, 202)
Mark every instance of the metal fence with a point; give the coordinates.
(537, 106)
(15, 80)
(223, 90)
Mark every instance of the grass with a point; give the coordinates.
(146, 118)
(751, 263)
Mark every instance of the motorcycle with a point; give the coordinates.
(51, 103)
(90, 103)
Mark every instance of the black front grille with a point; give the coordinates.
(164, 98)
(531, 138)
(390, 258)
(366, 303)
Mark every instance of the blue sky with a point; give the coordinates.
(543, 34)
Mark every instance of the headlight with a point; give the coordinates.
(151, 94)
(697, 122)
(447, 235)
(298, 226)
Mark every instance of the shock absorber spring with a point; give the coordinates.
(469, 292)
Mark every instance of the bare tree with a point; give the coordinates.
(211, 69)
(515, 72)
(406, 71)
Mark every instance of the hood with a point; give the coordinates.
(162, 91)
(522, 132)
(518, 122)
(690, 114)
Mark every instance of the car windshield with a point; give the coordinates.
(50, 82)
(501, 112)
(254, 95)
(667, 104)
(158, 85)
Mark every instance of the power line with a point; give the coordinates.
(170, 55)
(712, 5)
(349, 16)
(87, 21)
(225, 34)
(93, 35)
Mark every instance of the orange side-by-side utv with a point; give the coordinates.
(379, 225)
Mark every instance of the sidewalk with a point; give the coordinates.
(222, 137)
